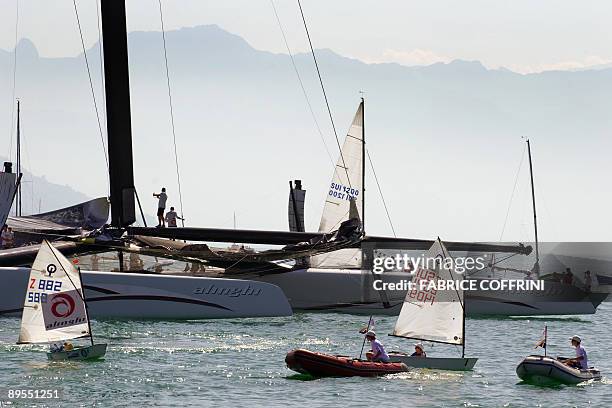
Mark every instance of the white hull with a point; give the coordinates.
(79, 353)
(150, 296)
(546, 370)
(435, 363)
(350, 291)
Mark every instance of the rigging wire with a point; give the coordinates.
(93, 93)
(381, 193)
(324, 93)
(516, 178)
(297, 73)
(14, 81)
(178, 175)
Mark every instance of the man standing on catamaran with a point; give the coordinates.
(161, 207)
(171, 217)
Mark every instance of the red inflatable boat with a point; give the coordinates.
(326, 365)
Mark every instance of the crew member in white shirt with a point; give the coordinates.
(161, 206)
(171, 217)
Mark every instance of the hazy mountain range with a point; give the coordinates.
(445, 138)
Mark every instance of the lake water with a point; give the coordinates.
(240, 362)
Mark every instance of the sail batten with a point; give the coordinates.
(54, 309)
(430, 315)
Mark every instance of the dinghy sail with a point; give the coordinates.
(346, 188)
(430, 315)
(55, 309)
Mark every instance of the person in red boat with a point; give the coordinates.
(378, 353)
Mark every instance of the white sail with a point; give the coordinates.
(346, 185)
(433, 315)
(54, 309)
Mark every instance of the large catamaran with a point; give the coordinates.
(133, 295)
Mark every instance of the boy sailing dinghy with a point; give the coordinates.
(434, 316)
(55, 309)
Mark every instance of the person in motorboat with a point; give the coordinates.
(580, 361)
(378, 353)
(419, 351)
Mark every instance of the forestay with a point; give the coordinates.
(54, 309)
(432, 315)
(346, 185)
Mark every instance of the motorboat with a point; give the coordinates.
(544, 370)
(327, 365)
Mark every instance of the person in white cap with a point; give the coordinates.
(580, 361)
(419, 351)
(378, 353)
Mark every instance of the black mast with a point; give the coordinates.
(118, 118)
(535, 218)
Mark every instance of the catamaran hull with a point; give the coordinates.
(81, 353)
(350, 291)
(150, 296)
(545, 370)
(435, 363)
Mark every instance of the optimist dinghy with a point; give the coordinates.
(434, 316)
(327, 365)
(55, 309)
(546, 370)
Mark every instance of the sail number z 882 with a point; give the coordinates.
(43, 285)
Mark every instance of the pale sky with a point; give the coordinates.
(522, 35)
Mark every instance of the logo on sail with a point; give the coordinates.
(62, 305)
(64, 310)
(51, 268)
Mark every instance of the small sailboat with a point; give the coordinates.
(434, 316)
(55, 309)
